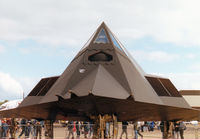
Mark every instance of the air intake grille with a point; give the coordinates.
(163, 87)
(43, 86)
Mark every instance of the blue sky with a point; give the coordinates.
(40, 38)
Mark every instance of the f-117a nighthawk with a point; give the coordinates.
(103, 79)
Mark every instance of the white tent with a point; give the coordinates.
(10, 104)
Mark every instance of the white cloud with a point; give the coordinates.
(2, 49)
(190, 56)
(9, 87)
(25, 50)
(28, 84)
(72, 22)
(13, 88)
(195, 67)
(156, 56)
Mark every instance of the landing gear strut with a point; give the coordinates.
(48, 129)
(167, 130)
(100, 125)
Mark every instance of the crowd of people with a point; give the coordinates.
(33, 128)
(27, 128)
(75, 129)
(85, 128)
(138, 127)
(177, 128)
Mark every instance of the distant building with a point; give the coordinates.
(192, 97)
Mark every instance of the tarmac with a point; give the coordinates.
(192, 132)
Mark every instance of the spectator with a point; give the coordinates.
(28, 129)
(151, 126)
(70, 127)
(142, 126)
(107, 129)
(4, 129)
(182, 127)
(137, 127)
(158, 125)
(86, 128)
(12, 127)
(91, 123)
(145, 127)
(176, 130)
(23, 126)
(78, 128)
(124, 129)
(37, 130)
